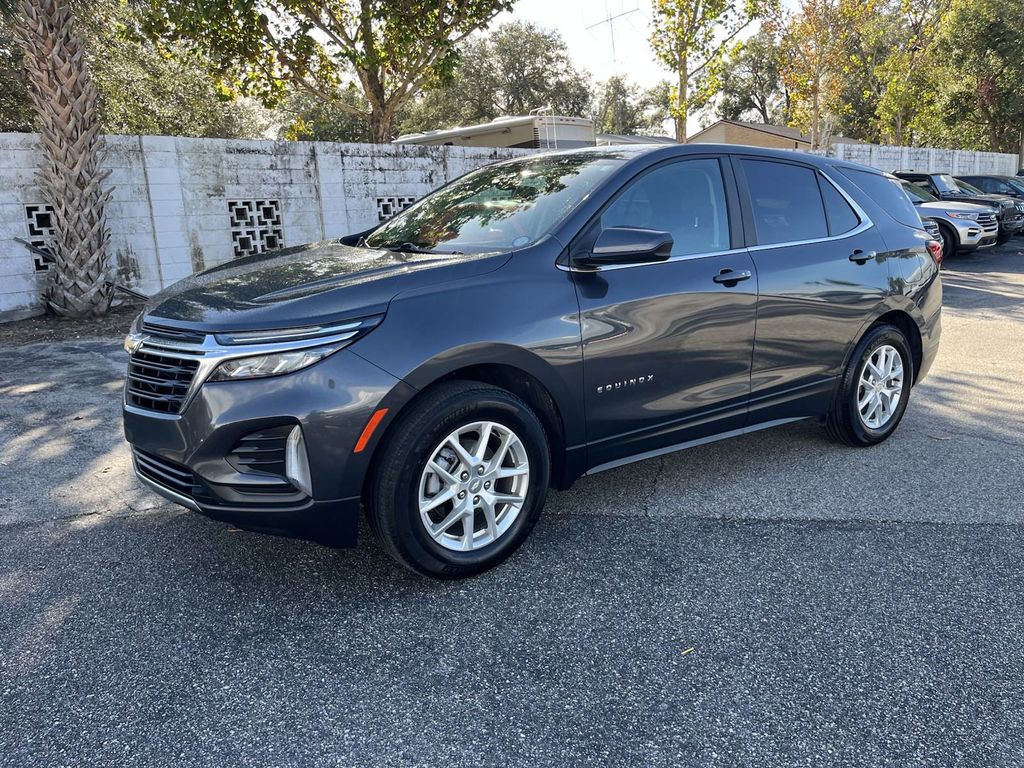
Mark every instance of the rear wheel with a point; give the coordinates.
(950, 242)
(461, 480)
(874, 389)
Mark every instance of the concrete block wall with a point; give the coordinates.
(174, 200)
(927, 159)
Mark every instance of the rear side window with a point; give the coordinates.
(786, 202)
(887, 193)
(685, 199)
(841, 217)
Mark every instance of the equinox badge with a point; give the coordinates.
(625, 383)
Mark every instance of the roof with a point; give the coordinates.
(783, 131)
(621, 138)
(497, 125)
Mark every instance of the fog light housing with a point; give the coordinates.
(296, 463)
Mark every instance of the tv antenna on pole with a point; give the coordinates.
(610, 20)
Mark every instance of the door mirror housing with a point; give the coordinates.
(626, 245)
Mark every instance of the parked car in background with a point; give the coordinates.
(945, 187)
(1011, 186)
(964, 226)
(531, 322)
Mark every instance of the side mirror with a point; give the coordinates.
(626, 245)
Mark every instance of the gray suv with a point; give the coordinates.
(531, 322)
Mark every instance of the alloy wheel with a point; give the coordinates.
(880, 387)
(474, 486)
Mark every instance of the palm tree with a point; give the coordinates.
(65, 103)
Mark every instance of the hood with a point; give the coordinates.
(941, 206)
(306, 285)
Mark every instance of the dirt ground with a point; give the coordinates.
(52, 328)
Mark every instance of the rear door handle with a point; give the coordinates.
(729, 277)
(862, 257)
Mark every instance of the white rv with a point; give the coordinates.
(529, 132)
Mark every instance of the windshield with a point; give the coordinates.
(915, 192)
(1016, 184)
(499, 207)
(969, 188)
(944, 182)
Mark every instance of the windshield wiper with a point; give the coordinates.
(408, 247)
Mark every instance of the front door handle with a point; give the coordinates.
(729, 277)
(862, 257)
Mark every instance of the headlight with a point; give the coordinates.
(958, 215)
(273, 364)
(283, 350)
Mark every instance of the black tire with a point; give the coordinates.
(950, 242)
(843, 422)
(1003, 237)
(391, 502)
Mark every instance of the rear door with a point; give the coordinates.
(822, 268)
(667, 345)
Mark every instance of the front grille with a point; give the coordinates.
(988, 223)
(165, 473)
(262, 452)
(158, 381)
(180, 479)
(932, 229)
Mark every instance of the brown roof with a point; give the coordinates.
(784, 131)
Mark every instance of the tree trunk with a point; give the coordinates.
(683, 98)
(65, 102)
(815, 116)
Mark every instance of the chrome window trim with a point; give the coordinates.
(864, 226)
(669, 260)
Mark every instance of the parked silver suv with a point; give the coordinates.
(964, 226)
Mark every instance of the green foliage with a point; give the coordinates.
(691, 37)
(141, 90)
(15, 104)
(624, 108)
(311, 118)
(750, 86)
(983, 38)
(516, 68)
(267, 48)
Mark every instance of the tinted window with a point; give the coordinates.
(915, 192)
(686, 199)
(786, 201)
(887, 194)
(841, 217)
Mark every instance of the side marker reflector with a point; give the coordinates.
(368, 430)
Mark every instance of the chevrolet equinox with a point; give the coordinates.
(531, 322)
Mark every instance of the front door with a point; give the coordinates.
(667, 345)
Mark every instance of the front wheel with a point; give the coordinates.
(461, 480)
(874, 389)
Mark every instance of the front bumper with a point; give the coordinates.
(191, 457)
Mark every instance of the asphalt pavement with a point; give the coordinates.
(773, 600)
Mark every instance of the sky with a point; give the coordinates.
(591, 49)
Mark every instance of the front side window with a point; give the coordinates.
(786, 202)
(500, 207)
(685, 199)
